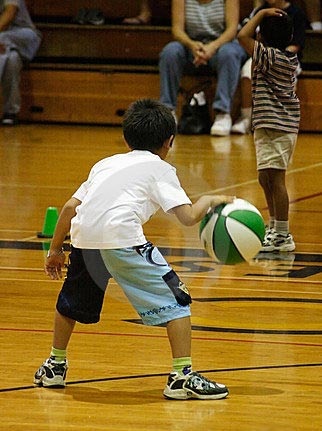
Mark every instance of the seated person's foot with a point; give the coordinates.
(137, 20)
(221, 125)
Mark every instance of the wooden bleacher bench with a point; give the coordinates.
(90, 74)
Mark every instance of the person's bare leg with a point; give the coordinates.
(187, 384)
(179, 334)
(246, 93)
(63, 329)
(144, 15)
(265, 183)
(313, 12)
(280, 194)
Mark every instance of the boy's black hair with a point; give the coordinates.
(147, 124)
(277, 31)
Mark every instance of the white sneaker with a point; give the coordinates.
(241, 126)
(316, 26)
(268, 245)
(284, 242)
(275, 241)
(221, 126)
(193, 385)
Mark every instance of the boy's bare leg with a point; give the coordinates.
(246, 93)
(63, 329)
(265, 182)
(280, 195)
(179, 334)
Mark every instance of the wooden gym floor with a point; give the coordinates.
(256, 326)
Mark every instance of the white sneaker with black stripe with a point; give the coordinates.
(193, 385)
(51, 373)
(275, 241)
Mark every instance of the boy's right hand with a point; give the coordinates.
(216, 200)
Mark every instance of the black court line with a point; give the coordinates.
(259, 331)
(145, 376)
(256, 331)
(250, 330)
(168, 251)
(256, 299)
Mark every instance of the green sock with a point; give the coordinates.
(58, 354)
(182, 365)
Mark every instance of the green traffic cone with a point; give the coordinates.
(50, 222)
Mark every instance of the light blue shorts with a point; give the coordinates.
(150, 284)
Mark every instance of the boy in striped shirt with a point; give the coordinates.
(276, 115)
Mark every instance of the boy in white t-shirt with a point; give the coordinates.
(104, 218)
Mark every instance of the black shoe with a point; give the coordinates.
(81, 17)
(95, 17)
(193, 385)
(9, 120)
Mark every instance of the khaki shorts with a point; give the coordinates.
(274, 149)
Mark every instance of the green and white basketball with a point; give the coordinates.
(232, 233)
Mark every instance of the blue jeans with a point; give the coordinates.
(226, 64)
(21, 45)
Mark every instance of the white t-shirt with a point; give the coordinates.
(121, 193)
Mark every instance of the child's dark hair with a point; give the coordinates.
(147, 124)
(277, 31)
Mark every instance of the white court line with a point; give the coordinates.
(32, 186)
(254, 181)
(291, 171)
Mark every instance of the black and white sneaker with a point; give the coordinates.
(95, 17)
(51, 373)
(274, 241)
(193, 385)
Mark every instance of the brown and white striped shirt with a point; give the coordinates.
(275, 103)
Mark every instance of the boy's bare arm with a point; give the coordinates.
(247, 34)
(55, 258)
(189, 215)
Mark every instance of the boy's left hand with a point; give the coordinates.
(54, 265)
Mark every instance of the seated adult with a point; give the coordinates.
(19, 42)
(205, 34)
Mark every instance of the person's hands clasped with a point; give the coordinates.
(198, 52)
(204, 53)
